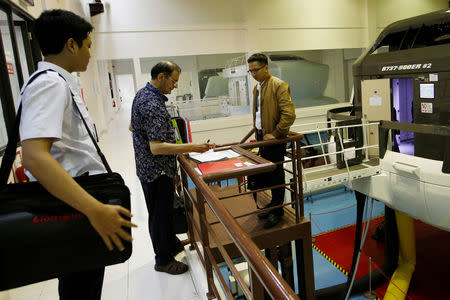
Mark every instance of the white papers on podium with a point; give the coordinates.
(211, 155)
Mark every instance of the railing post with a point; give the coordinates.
(255, 285)
(204, 236)
(299, 180)
(286, 262)
(294, 184)
(305, 270)
(188, 206)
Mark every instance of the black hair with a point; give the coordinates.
(259, 57)
(54, 27)
(165, 67)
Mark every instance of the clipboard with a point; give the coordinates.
(220, 166)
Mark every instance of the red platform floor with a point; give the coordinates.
(431, 278)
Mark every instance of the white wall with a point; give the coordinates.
(339, 77)
(381, 13)
(79, 7)
(215, 61)
(287, 25)
(335, 87)
(125, 83)
(34, 11)
(125, 77)
(311, 55)
(153, 28)
(150, 28)
(105, 67)
(123, 66)
(388, 11)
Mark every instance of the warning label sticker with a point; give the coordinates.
(426, 108)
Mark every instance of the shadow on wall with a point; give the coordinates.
(217, 86)
(203, 78)
(307, 80)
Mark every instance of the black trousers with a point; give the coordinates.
(159, 195)
(273, 153)
(86, 285)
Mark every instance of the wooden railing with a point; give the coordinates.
(202, 231)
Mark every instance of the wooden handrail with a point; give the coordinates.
(245, 138)
(293, 136)
(267, 274)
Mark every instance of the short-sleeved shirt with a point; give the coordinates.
(48, 112)
(151, 121)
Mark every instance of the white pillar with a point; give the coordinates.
(194, 80)
(371, 13)
(138, 81)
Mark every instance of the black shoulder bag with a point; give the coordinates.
(41, 237)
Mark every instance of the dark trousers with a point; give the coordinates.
(159, 195)
(86, 285)
(273, 153)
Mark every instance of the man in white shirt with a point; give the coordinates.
(55, 143)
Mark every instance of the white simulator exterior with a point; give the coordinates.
(413, 185)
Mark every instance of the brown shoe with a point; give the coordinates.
(174, 267)
(272, 220)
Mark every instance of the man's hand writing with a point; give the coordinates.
(203, 147)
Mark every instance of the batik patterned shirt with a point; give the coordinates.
(151, 121)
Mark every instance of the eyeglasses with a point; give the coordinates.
(173, 80)
(256, 70)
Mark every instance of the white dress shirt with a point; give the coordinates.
(48, 112)
(258, 109)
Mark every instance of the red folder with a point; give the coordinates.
(220, 166)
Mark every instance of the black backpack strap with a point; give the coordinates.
(10, 153)
(13, 137)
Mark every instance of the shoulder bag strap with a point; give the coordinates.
(13, 139)
(99, 152)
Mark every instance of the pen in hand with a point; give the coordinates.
(211, 146)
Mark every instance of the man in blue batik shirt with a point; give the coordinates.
(155, 153)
